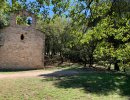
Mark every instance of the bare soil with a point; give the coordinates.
(38, 73)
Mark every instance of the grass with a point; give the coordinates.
(69, 66)
(84, 86)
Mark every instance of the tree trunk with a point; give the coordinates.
(61, 58)
(91, 62)
(85, 64)
(116, 66)
(109, 67)
(124, 69)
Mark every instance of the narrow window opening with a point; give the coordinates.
(22, 37)
(29, 20)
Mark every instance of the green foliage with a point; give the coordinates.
(4, 8)
(55, 37)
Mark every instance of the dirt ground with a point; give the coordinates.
(37, 73)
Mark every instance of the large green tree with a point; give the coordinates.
(107, 20)
(55, 35)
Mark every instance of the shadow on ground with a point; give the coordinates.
(16, 70)
(98, 82)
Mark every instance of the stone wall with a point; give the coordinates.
(23, 47)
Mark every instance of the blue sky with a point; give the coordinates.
(73, 2)
(50, 7)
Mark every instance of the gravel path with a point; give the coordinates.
(38, 73)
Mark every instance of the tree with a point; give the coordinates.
(4, 8)
(55, 37)
(109, 21)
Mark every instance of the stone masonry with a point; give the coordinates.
(21, 47)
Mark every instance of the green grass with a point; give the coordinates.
(85, 86)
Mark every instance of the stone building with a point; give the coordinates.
(21, 46)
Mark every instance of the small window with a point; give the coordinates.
(29, 20)
(22, 37)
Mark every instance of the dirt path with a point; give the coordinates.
(38, 73)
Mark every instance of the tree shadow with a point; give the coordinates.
(92, 82)
(61, 73)
(17, 70)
